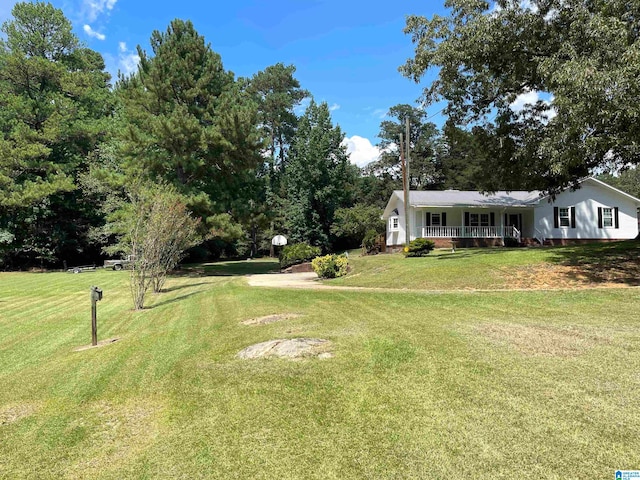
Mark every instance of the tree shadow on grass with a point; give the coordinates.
(617, 262)
(180, 287)
(230, 268)
(463, 253)
(174, 299)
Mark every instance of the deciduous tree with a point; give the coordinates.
(578, 60)
(319, 178)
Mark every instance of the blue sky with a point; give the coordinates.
(347, 53)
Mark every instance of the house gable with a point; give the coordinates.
(578, 214)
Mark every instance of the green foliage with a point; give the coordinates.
(370, 242)
(627, 180)
(351, 224)
(187, 120)
(55, 109)
(582, 54)
(425, 171)
(319, 178)
(155, 228)
(297, 253)
(277, 92)
(420, 247)
(330, 266)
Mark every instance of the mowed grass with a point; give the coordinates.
(468, 385)
(499, 268)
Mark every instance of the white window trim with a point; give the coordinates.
(610, 218)
(434, 215)
(568, 217)
(391, 222)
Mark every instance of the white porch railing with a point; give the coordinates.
(470, 232)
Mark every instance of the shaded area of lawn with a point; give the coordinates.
(617, 262)
(232, 268)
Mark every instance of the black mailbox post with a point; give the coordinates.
(96, 296)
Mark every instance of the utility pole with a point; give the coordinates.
(408, 181)
(405, 190)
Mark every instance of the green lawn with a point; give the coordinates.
(498, 268)
(469, 385)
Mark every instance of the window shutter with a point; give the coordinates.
(492, 219)
(428, 219)
(616, 217)
(520, 222)
(444, 219)
(506, 220)
(573, 217)
(466, 219)
(556, 217)
(599, 217)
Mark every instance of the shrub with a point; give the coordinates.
(297, 253)
(330, 266)
(370, 242)
(420, 247)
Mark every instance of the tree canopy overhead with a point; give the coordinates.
(584, 54)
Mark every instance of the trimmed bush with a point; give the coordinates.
(420, 247)
(297, 253)
(330, 266)
(370, 242)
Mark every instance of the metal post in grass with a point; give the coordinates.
(96, 296)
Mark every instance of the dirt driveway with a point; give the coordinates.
(286, 280)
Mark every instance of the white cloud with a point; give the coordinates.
(94, 8)
(527, 98)
(379, 113)
(92, 33)
(127, 59)
(360, 150)
(333, 107)
(531, 97)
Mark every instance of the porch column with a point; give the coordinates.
(502, 225)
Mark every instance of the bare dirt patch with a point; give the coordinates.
(542, 340)
(271, 319)
(291, 348)
(14, 412)
(550, 275)
(101, 343)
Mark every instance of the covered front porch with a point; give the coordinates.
(473, 225)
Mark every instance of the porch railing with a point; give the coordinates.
(470, 232)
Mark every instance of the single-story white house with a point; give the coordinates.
(594, 212)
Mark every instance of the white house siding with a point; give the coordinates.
(397, 237)
(586, 201)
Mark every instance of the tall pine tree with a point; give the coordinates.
(55, 108)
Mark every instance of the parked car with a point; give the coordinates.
(119, 264)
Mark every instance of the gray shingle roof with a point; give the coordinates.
(443, 198)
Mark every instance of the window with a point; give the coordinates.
(565, 218)
(607, 217)
(435, 219)
(393, 223)
(479, 220)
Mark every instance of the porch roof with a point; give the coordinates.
(460, 198)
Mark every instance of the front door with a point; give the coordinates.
(514, 221)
